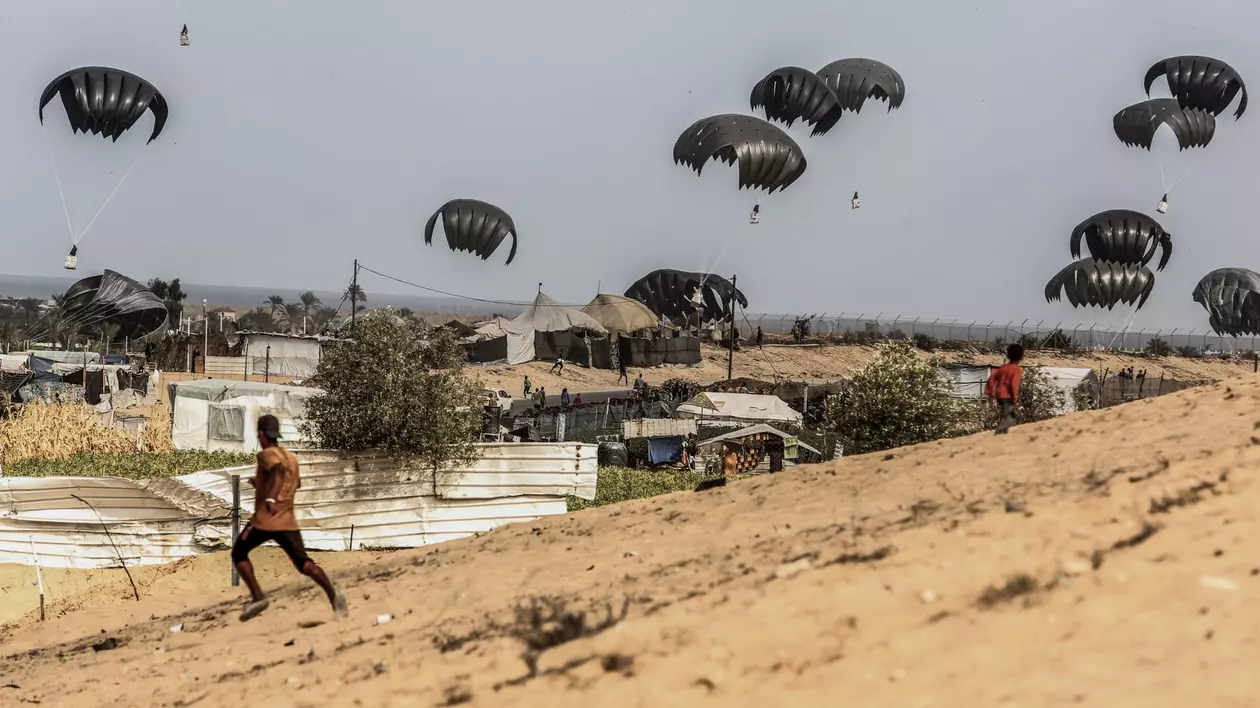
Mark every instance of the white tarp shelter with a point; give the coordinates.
(1067, 379)
(543, 315)
(291, 355)
(345, 503)
(711, 408)
(64, 357)
(218, 414)
(967, 380)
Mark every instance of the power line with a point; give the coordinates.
(514, 303)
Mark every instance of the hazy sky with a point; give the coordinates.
(306, 134)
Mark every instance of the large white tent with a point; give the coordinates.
(543, 315)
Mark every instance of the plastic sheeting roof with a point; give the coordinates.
(618, 313)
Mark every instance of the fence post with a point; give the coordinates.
(912, 324)
(236, 522)
(267, 366)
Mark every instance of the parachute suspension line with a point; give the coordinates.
(64, 206)
(110, 197)
(1128, 321)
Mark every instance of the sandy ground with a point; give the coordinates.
(777, 363)
(1101, 559)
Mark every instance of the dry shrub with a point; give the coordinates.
(60, 431)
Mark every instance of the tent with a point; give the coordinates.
(291, 355)
(712, 408)
(1067, 379)
(217, 414)
(544, 315)
(620, 314)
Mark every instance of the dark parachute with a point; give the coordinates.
(768, 157)
(1200, 82)
(1136, 125)
(1089, 282)
(790, 93)
(473, 226)
(1123, 236)
(856, 79)
(671, 293)
(105, 101)
(110, 299)
(1231, 297)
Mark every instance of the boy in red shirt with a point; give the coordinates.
(1003, 388)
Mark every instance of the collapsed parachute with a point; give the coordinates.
(109, 299)
(1089, 282)
(1201, 83)
(674, 294)
(473, 226)
(105, 101)
(1136, 125)
(854, 80)
(790, 93)
(768, 157)
(1231, 297)
(1123, 236)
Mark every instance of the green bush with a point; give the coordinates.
(618, 484)
(130, 465)
(898, 399)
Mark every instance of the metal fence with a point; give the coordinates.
(1080, 335)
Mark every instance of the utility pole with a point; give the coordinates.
(354, 294)
(730, 334)
(205, 343)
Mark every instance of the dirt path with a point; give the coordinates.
(1102, 559)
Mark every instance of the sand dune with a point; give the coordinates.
(1099, 559)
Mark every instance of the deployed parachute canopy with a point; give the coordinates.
(1136, 125)
(1231, 297)
(1089, 282)
(105, 101)
(790, 93)
(677, 294)
(1198, 82)
(768, 157)
(111, 298)
(855, 80)
(1122, 236)
(473, 226)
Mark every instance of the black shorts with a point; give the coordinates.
(289, 541)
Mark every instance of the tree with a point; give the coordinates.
(171, 294)
(898, 399)
(309, 301)
(323, 317)
(400, 388)
(355, 294)
(276, 302)
(406, 313)
(1158, 347)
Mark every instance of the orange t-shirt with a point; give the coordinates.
(271, 462)
(1004, 382)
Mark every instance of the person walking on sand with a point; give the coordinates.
(528, 385)
(559, 365)
(1002, 390)
(276, 482)
(625, 376)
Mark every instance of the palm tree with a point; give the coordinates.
(355, 294)
(309, 300)
(109, 332)
(276, 303)
(31, 307)
(323, 317)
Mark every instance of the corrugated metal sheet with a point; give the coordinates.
(236, 367)
(372, 499)
(657, 428)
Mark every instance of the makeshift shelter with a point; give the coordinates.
(293, 355)
(967, 380)
(621, 315)
(1068, 379)
(217, 414)
(729, 409)
(545, 330)
(760, 448)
